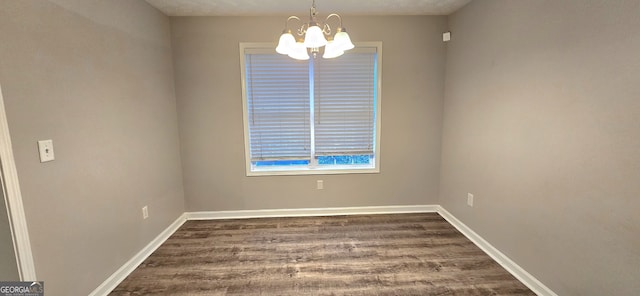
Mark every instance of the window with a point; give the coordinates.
(319, 116)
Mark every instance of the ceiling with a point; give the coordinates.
(301, 7)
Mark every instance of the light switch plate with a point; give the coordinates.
(45, 147)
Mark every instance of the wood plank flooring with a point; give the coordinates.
(400, 254)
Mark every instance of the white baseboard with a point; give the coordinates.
(518, 272)
(117, 277)
(513, 268)
(309, 212)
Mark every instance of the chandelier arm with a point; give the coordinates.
(327, 28)
(303, 29)
(336, 15)
(300, 30)
(291, 18)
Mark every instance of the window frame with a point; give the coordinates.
(307, 170)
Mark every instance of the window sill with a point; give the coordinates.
(325, 170)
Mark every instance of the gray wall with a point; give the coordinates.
(96, 77)
(208, 89)
(541, 123)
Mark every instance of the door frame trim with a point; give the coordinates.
(13, 197)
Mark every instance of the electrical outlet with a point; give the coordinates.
(145, 212)
(320, 184)
(470, 199)
(446, 36)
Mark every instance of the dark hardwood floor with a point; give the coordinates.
(403, 254)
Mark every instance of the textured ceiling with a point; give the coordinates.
(301, 7)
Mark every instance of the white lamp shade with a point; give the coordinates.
(285, 45)
(314, 38)
(299, 51)
(342, 40)
(331, 51)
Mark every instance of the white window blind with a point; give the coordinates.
(277, 107)
(314, 116)
(344, 104)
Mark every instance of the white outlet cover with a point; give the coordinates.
(470, 199)
(45, 147)
(446, 36)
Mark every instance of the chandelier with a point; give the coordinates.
(313, 36)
